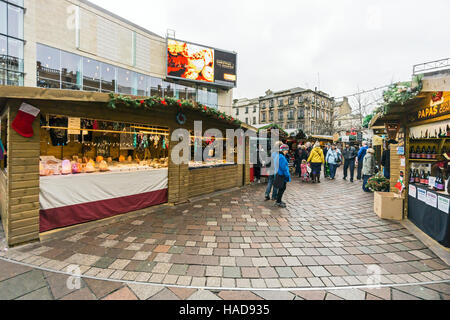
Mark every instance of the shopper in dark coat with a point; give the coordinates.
(386, 162)
(349, 153)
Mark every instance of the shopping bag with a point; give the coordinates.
(279, 181)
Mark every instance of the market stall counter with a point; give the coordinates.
(429, 211)
(66, 200)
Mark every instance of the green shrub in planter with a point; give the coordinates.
(378, 183)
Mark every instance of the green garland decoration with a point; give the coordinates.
(152, 102)
(400, 93)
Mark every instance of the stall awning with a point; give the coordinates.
(431, 130)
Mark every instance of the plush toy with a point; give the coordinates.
(66, 167)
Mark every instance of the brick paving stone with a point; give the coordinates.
(39, 294)
(285, 272)
(349, 294)
(165, 294)
(238, 295)
(275, 295)
(311, 294)
(119, 264)
(182, 293)
(58, 285)
(22, 284)
(231, 272)
(178, 269)
(420, 292)
(82, 294)
(260, 262)
(399, 295)
(203, 295)
(196, 271)
(273, 283)
(214, 271)
(9, 270)
(267, 272)
(198, 281)
(319, 271)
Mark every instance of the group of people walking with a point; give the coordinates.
(308, 161)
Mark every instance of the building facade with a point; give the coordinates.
(298, 108)
(344, 121)
(246, 110)
(76, 45)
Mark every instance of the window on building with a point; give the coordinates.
(271, 116)
(246, 120)
(291, 101)
(237, 111)
(263, 106)
(339, 123)
(156, 87)
(301, 99)
(254, 109)
(70, 71)
(280, 115)
(263, 117)
(108, 75)
(192, 93)
(291, 114)
(181, 92)
(170, 92)
(272, 103)
(15, 22)
(254, 120)
(300, 113)
(141, 84)
(48, 67)
(3, 18)
(280, 102)
(246, 109)
(91, 75)
(125, 80)
(213, 98)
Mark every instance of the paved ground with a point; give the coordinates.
(327, 244)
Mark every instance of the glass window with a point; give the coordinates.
(91, 75)
(15, 79)
(181, 92)
(264, 117)
(124, 81)
(168, 89)
(271, 116)
(48, 67)
(3, 77)
(213, 98)
(15, 53)
(3, 52)
(237, 111)
(192, 93)
(70, 71)
(156, 87)
(3, 20)
(202, 95)
(108, 75)
(141, 81)
(246, 109)
(15, 22)
(17, 2)
(254, 120)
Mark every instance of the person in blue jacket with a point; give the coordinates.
(273, 169)
(361, 154)
(283, 170)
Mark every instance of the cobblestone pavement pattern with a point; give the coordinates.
(326, 244)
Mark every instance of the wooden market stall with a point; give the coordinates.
(90, 156)
(421, 126)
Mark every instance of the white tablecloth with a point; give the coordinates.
(61, 191)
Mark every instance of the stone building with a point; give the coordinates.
(344, 120)
(246, 110)
(77, 45)
(298, 108)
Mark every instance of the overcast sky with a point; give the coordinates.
(287, 43)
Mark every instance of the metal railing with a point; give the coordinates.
(427, 67)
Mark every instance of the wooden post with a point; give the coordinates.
(23, 182)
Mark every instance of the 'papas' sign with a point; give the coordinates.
(439, 106)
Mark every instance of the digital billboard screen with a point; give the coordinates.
(189, 61)
(225, 67)
(199, 63)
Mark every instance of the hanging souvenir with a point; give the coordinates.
(164, 144)
(134, 140)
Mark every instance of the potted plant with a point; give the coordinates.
(387, 205)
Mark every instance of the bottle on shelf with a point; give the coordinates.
(417, 177)
(422, 177)
(411, 176)
(423, 154)
(429, 153)
(417, 152)
(433, 153)
(426, 179)
(439, 182)
(412, 153)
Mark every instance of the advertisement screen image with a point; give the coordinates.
(189, 61)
